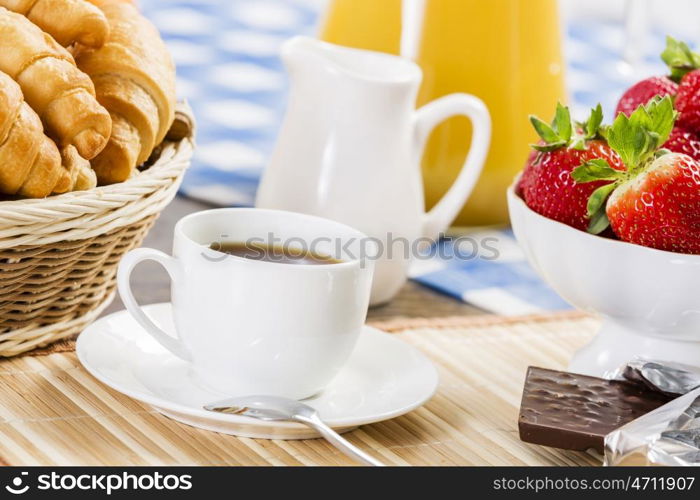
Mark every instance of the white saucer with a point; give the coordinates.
(383, 379)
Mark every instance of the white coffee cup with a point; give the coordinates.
(258, 327)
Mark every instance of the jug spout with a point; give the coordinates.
(302, 53)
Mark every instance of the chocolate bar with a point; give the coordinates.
(575, 412)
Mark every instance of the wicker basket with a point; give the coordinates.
(59, 255)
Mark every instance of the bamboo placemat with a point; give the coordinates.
(52, 412)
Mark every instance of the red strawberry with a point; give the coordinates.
(681, 61)
(642, 92)
(660, 208)
(688, 101)
(682, 141)
(683, 64)
(655, 202)
(546, 184)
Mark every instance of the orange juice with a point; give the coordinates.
(506, 52)
(364, 24)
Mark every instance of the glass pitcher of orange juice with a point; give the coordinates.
(506, 52)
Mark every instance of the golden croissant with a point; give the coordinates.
(67, 21)
(82, 176)
(134, 78)
(30, 164)
(61, 94)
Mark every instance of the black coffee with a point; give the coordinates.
(272, 253)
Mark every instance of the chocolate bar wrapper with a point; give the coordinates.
(667, 377)
(669, 435)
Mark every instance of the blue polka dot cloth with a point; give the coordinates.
(226, 53)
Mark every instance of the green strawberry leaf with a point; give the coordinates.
(579, 143)
(563, 132)
(627, 138)
(544, 130)
(551, 146)
(597, 200)
(598, 223)
(562, 123)
(637, 137)
(557, 134)
(595, 170)
(679, 58)
(663, 117)
(592, 126)
(598, 220)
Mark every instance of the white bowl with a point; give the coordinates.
(649, 299)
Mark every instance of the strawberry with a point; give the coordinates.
(660, 208)
(684, 65)
(683, 82)
(655, 202)
(680, 60)
(688, 101)
(642, 92)
(546, 184)
(682, 141)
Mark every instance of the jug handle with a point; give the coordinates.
(427, 118)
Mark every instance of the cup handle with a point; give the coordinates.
(427, 118)
(174, 269)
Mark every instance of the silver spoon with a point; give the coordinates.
(276, 409)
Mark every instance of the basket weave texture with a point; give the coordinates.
(59, 255)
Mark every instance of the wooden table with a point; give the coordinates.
(151, 283)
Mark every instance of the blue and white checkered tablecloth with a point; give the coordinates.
(226, 52)
(489, 271)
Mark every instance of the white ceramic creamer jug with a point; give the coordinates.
(350, 147)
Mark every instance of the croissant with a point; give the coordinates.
(30, 164)
(67, 21)
(61, 94)
(81, 175)
(134, 78)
